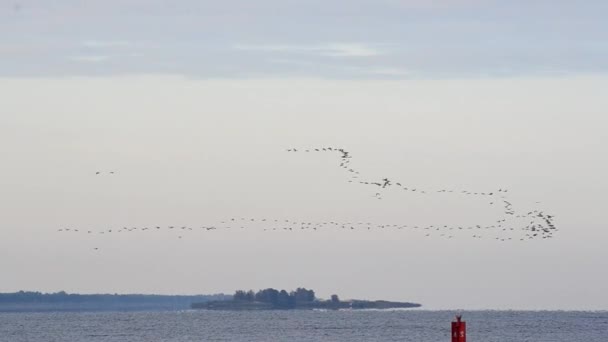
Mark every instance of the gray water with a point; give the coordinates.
(294, 326)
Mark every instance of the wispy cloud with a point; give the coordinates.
(100, 44)
(89, 58)
(351, 50)
(396, 72)
(372, 70)
(330, 50)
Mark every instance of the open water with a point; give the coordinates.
(294, 326)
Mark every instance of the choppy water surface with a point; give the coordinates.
(293, 326)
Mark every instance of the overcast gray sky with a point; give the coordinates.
(328, 39)
(193, 104)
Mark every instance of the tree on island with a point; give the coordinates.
(303, 295)
(301, 298)
(335, 299)
(279, 299)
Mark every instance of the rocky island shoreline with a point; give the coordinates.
(301, 298)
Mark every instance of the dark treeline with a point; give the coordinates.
(301, 298)
(277, 298)
(63, 297)
(38, 301)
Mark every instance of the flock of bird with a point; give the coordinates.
(516, 226)
(539, 223)
(446, 231)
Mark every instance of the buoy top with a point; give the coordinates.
(458, 317)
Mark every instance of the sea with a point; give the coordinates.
(300, 325)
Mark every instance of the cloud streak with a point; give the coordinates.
(328, 50)
(89, 58)
(100, 44)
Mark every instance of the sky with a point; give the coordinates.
(193, 105)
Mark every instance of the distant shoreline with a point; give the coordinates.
(23, 301)
(298, 299)
(232, 305)
(61, 301)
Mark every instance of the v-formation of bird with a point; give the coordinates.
(513, 226)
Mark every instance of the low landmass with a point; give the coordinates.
(23, 301)
(301, 298)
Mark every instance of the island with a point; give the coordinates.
(301, 298)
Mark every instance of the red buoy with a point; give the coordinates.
(459, 330)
